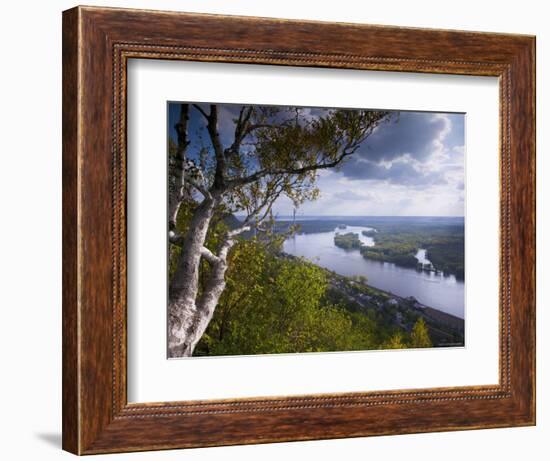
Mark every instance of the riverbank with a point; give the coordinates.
(445, 330)
(393, 311)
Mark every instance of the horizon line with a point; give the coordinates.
(366, 216)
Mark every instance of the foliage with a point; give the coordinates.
(396, 341)
(280, 309)
(447, 255)
(400, 254)
(399, 242)
(347, 241)
(419, 335)
(274, 304)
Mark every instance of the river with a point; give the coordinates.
(442, 292)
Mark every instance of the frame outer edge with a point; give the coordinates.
(533, 55)
(522, 239)
(70, 211)
(528, 62)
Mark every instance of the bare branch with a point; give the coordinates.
(176, 192)
(209, 256)
(244, 128)
(240, 130)
(181, 130)
(219, 175)
(258, 126)
(229, 241)
(237, 231)
(291, 171)
(200, 187)
(201, 110)
(244, 118)
(268, 208)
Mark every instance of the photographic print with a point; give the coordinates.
(309, 229)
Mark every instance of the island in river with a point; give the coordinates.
(395, 239)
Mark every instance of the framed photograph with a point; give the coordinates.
(280, 230)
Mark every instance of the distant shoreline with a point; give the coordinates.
(285, 218)
(437, 314)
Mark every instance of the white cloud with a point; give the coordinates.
(427, 181)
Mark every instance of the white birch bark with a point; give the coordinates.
(190, 314)
(183, 314)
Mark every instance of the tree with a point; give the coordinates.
(274, 151)
(419, 335)
(396, 341)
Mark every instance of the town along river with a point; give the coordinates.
(442, 292)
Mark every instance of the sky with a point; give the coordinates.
(412, 165)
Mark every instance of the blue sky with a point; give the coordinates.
(412, 165)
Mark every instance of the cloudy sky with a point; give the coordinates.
(412, 165)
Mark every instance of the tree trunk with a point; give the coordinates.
(184, 319)
(204, 311)
(177, 168)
